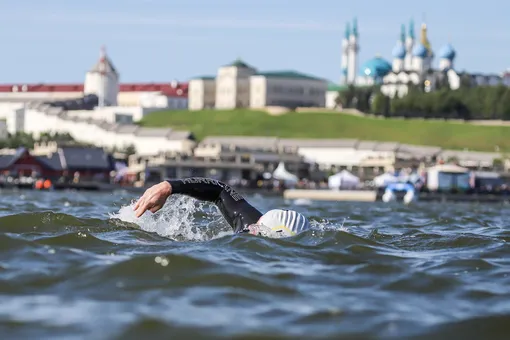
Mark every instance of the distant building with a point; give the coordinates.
(365, 158)
(228, 159)
(101, 111)
(412, 65)
(100, 97)
(103, 81)
(67, 161)
(239, 85)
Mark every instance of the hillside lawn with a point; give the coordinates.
(447, 135)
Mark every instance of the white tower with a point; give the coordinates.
(345, 54)
(352, 60)
(103, 81)
(399, 52)
(408, 61)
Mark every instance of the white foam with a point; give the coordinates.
(177, 220)
(303, 202)
(325, 225)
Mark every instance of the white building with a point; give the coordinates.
(326, 153)
(91, 112)
(240, 85)
(113, 101)
(39, 118)
(202, 93)
(412, 64)
(103, 81)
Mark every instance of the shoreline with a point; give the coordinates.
(367, 196)
(376, 196)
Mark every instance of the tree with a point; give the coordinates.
(481, 102)
(380, 104)
(346, 97)
(466, 81)
(130, 150)
(503, 106)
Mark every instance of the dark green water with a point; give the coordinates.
(73, 266)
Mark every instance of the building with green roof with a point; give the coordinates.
(238, 85)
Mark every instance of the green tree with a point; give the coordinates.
(482, 102)
(346, 97)
(130, 150)
(380, 104)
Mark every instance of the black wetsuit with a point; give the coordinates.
(236, 210)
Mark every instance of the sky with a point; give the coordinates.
(57, 41)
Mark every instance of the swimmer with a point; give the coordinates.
(240, 215)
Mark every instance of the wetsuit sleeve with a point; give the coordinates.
(234, 208)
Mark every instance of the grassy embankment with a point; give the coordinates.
(334, 125)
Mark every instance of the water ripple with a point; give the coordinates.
(81, 265)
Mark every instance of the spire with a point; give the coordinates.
(403, 33)
(424, 38)
(103, 65)
(347, 30)
(411, 29)
(102, 53)
(355, 27)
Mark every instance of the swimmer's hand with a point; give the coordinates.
(153, 198)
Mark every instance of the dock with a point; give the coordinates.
(376, 196)
(332, 195)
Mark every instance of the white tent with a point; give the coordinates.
(281, 174)
(385, 179)
(343, 180)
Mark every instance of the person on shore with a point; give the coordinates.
(240, 215)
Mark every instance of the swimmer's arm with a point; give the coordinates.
(204, 189)
(234, 208)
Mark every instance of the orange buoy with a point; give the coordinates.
(39, 184)
(47, 184)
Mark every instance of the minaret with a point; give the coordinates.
(399, 52)
(352, 60)
(103, 81)
(345, 53)
(408, 61)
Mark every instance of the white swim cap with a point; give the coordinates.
(284, 222)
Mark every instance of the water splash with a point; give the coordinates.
(178, 220)
(303, 202)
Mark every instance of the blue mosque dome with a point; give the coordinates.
(420, 51)
(376, 67)
(447, 52)
(399, 51)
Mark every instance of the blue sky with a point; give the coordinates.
(161, 40)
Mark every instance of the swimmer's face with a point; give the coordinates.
(257, 229)
(262, 230)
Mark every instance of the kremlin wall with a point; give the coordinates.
(101, 111)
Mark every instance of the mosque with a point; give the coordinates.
(412, 64)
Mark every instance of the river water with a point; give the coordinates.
(78, 265)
